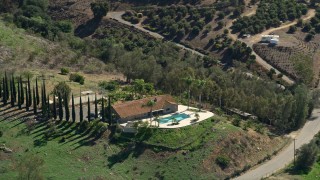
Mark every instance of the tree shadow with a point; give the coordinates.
(136, 149)
(87, 29)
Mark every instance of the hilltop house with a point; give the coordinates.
(139, 109)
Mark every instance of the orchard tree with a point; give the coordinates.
(99, 9)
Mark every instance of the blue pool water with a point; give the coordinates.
(178, 117)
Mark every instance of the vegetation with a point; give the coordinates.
(269, 14)
(75, 77)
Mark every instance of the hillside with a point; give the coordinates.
(84, 62)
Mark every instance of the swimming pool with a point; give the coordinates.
(178, 117)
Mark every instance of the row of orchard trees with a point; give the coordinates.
(17, 92)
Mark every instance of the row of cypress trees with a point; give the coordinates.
(19, 94)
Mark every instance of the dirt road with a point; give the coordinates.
(118, 17)
(256, 38)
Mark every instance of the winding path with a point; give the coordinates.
(256, 38)
(311, 128)
(117, 15)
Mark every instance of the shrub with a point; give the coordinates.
(223, 161)
(307, 155)
(64, 26)
(75, 77)
(110, 86)
(1, 133)
(63, 89)
(236, 122)
(292, 29)
(64, 71)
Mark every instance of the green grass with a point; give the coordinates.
(73, 158)
(16, 39)
(314, 173)
(191, 137)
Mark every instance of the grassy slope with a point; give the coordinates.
(79, 157)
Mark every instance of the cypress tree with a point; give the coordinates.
(37, 92)
(89, 118)
(103, 113)
(0, 90)
(4, 99)
(34, 102)
(48, 108)
(44, 90)
(14, 90)
(66, 107)
(27, 99)
(21, 93)
(95, 106)
(54, 108)
(43, 103)
(73, 110)
(29, 92)
(109, 110)
(7, 86)
(60, 108)
(81, 110)
(11, 94)
(19, 96)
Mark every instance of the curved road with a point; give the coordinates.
(311, 128)
(304, 136)
(256, 38)
(117, 15)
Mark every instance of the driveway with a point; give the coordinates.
(117, 15)
(311, 128)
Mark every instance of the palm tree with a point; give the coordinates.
(174, 121)
(150, 104)
(200, 84)
(157, 119)
(197, 116)
(189, 81)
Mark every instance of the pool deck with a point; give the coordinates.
(203, 115)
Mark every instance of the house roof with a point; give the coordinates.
(137, 107)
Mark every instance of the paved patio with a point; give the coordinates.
(203, 115)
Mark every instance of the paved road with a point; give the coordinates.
(285, 157)
(117, 15)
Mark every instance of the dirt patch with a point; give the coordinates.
(243, 150)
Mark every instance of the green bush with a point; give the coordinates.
(1, 133)
(64, 71)
(65, 26)
(223, 161)
(75, 77)
(110, 86)
(236, 122)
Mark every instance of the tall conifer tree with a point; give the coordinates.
(60, 108)
(34, 101)
(37, 92)
(27, 99)
(14, 90)
(103, 111)
(22, 90)
(81, 110)
(19, 96)
(89, 117)
(73, 110)
(54, 108)
(66, 106)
